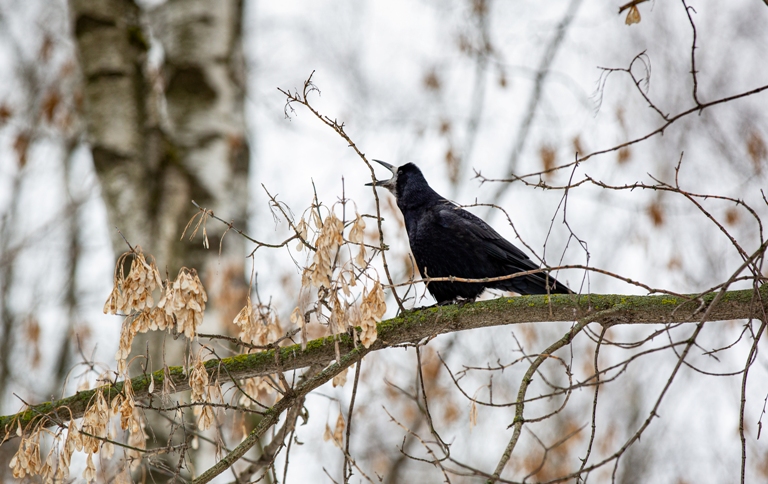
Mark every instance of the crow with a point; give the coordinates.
(446, 240)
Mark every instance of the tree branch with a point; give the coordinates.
(414, 326)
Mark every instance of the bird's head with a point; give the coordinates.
(405, 180)
(391, 183)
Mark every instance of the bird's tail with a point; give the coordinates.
(540, 283)
(552, 286)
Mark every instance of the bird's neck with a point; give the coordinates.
(416, 200)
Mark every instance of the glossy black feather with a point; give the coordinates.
(449, 241)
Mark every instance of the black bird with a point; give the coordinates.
(446, 240)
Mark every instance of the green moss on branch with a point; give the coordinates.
(416, 325)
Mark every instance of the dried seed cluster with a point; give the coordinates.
(133, 293)
(356, 235)
(340, 379)
(180, 307)
(184, 301)
(372, 309)
(333, 274)
(256, 389)
(337, 436)
(27, 461)
(257, 324)
(94, 435)
(327, 244)
(203, 392)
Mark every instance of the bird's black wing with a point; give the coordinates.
(505, 257)
(488, 240)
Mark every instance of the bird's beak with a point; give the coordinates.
(388, 184)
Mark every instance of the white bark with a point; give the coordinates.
(157, 148)
(204, 95)
(106, 32)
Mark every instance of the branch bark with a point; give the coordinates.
(412, 327)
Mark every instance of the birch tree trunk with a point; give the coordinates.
(162, 139)
(204, 83)
(112, 51)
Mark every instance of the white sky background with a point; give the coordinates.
(370, 59)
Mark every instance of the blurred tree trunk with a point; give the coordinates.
(204, 85)
(112, 50)
(161, 138)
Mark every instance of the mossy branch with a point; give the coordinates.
(414, 326)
